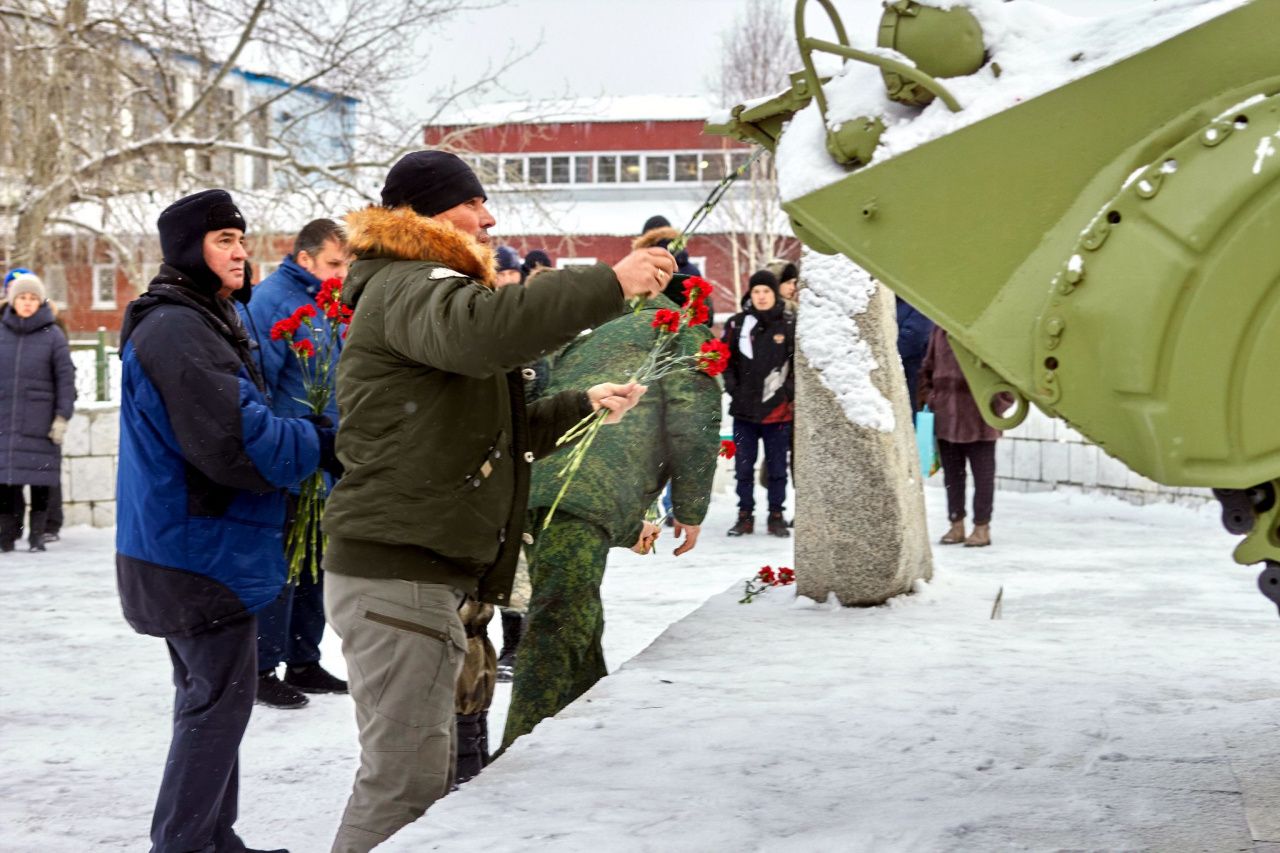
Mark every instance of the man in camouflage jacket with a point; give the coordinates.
(673, 434)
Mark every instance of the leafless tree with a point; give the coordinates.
(110, 107)
(757, 54)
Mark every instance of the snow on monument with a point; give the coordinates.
(860, 525)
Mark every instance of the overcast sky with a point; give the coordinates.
(614, 47)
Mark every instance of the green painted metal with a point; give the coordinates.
(1110, 250)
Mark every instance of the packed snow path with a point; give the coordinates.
(1125, 701)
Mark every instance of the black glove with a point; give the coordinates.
(327, 435)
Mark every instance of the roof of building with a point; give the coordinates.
(603, 109)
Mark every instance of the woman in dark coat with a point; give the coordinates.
(37, 395)
(761, 388)
(963, 436)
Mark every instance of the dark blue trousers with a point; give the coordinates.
(777, 444)
(214, 673)
(290, 628)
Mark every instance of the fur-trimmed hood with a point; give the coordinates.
(403, 235)
(654, 236)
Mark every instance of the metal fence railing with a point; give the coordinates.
(97, 369)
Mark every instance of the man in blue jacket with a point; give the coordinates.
(200, 505)
(290, 628)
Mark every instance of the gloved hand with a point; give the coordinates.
(58, 430)
(327, 435)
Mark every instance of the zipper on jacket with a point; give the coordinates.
(13, 424)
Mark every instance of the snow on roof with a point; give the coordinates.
(582, 215)
(1034, 46)
(604, 109)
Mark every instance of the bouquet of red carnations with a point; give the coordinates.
(305, 540)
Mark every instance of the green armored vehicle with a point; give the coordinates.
(1104, 244)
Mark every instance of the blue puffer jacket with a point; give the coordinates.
(275, 298)
(37, 382)
(203, 462)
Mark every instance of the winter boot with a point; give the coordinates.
(8, 532)
(36, 538)
(274, 693)
(980, 537)
(746, 525)
(473, 746)
(512, 627)
(778, 525)
(955, 535)
(313, 678)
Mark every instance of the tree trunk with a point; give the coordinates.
(860, 521)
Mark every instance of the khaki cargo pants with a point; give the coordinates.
(404, 646)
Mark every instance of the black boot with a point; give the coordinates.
(746, 524)
(313, 678)
(9, 531)
(36, 537)
(778, 525)
(473, 746)
(512, 627)
(274, 693)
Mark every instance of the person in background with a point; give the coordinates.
(200, 507)
(788, 282)
(54, 516)
(914, 331)
(534, 262)
(760, 382)
(618, 482)
(963, 436)
(37, 399)
(291, 627)
(509, 271)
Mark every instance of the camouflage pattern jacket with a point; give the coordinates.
(673, 434)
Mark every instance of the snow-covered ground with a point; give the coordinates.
(1125, 701)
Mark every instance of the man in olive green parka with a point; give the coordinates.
(674, 434)
(437, 442)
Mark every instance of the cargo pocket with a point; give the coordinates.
(407, 662)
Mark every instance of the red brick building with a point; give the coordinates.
(579, 179)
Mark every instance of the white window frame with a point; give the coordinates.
(616, 156)
(99, 304)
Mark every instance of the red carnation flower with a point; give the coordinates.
(713, 357)
(304, 348)
(696, 288)
(330, 294)
(306, 309)
(786, 576)
(667, 320)
(766, 575)
(285, 328)
(728, 449)
(699, 313)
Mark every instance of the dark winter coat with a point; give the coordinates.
(673, 434)
(274, 298)
(436, 437)
(762, 388)
(945, 390)
(37, 383)
(203, 464)
(913, 341)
